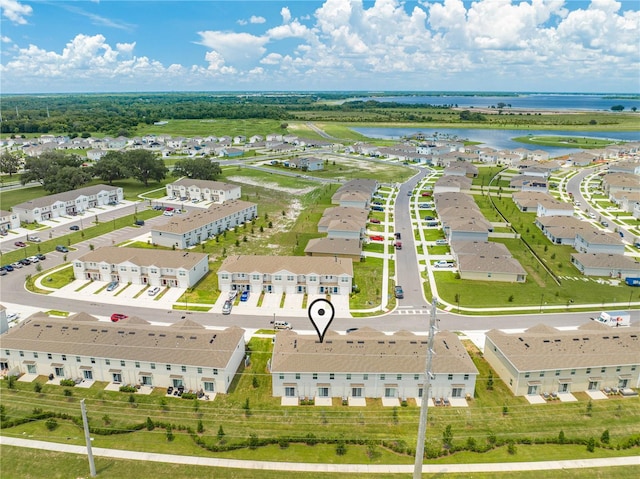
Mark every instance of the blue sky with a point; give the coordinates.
(487, 45)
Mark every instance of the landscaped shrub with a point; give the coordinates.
(127, 389)
(67, 382)
(189, 396)
(51, 424)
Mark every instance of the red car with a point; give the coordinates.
(20, 244)
(376, 238)
(115, 317)
(426, 193)
(374, 220)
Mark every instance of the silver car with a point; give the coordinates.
(226, 307)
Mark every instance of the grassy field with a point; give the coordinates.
(249, 409)
(563, 141)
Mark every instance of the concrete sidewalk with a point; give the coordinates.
(313, 467)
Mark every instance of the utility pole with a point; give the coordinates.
(87, 438)
(422, 427)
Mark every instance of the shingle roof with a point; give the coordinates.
(65, 196)
(369, 351)
(607, 261)
(293, 264)
(196, 219)
(593, 345)
(480, 248)
(339, 246)
(128, 339)
(489, 264)
(144, 257)
(212, 185)
(594, 236)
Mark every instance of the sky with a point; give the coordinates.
(60, 46)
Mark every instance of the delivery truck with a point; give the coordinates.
(614, 318)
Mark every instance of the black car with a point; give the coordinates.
(399, 292)
(74, 228)
(41, 257)
(62, 249)
(24, 261)
(139, 223)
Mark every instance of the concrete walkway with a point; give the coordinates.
(313, 467)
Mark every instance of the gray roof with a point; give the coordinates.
(545, 348)
(594, 236)
(489, 264)
(144, 257)
(359, 215)
(202, 184)
(606, 261)
(198, 218)
(480, 248)
(369, 351)
(65, 196)
(622, 180)
(292, 264)
(337, 246)
(186, 342)
(530, 198)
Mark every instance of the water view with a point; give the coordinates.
(499, 139)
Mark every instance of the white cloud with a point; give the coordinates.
(241, 49)
(15, 11)
(5, 39)
(257, 20)
(286, 15)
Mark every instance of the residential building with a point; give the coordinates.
(562, 229)
(332, 247)
(369, 364)
(543, 359)
(528, 183)
(129, 352)
(596, 241)
(286, 274)
(310, 163)
(203, 190)
(188, 230)
(67, 203)
(491, 268)
(604, 264)
(142, 266)
(355, 193)
(8, 221)
(615, 184)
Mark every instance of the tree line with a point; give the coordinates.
(58, 171)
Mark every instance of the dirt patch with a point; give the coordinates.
(273, 186)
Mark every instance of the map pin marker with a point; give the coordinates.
(321, 314)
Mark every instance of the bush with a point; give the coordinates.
(341, 448)
(67, 382)
(127, 389)
(149, 424)
(189, 396)
(51, 424)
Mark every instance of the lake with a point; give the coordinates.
(498, 139)
(533, 101)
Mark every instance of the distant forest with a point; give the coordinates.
(120, 114)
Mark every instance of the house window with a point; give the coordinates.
(290, 391)
(93, 360)
(382, 376)
(315, 375)
(348, 377)
(215, 372)
(77, 359)
(332, 376)
(450, 377)
(168, 367)
(588, 370)
(35, 355)
(618, 369)
(399, 377)
(542, 374)
(184, 369)
(107, 362)
(466, 377)
(137, 364)
(60, 372)
(416, 377)
(603, 370)
(153, 365)
(297, 375)
(209, 386)
(199, 370)
(557, 372)
(49, 356)
(122, 364)
(573, 372)
(289, 278)
(21, 353)
(323, 392)
(389, 392)
(281, 376)
(365, 377)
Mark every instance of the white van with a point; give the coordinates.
(441, 242)
(281, 325)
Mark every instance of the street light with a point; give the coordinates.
(541, 300)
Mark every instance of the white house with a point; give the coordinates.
(203, 190)
(369, 364)
(188, 230)
(129, 352)
(68, 203)
(286, 274)
(142, 266)
(8, 221)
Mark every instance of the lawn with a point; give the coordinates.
(249, 409)
(366, 275)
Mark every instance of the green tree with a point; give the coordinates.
(66, 178)
(197, 168)
(605, 438)
(9, 163)
(144, 166)
(111, 167)
(447, 437)
(149, 424)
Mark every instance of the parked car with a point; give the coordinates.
(41, 257)
(8, 267)
(113, 285)
(20, 244)
(376, 238)
(167, 213)
(34, 259)
(443, 264)
(374, 220)
(62, 249)
(398, 244)
(399, 293)
(13, 316)
(34, 239)
(441, 242)
(153, 291)
(226, 307)
(232, 295)
(74, 228)
(426, 193)
(24, 262)
(139, 223)
(397, 235)
(429, 218)
(16, 265)
(244, 296)
(3, 272)
(115, 317)
(604, 223)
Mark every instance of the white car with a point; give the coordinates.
(154, 291)
(232, 295)
(168, 213)
(33, 259)
(13, 316)
(34, 239)
(16, 265)
(592, 214)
